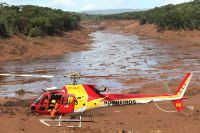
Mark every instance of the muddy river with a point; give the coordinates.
(118, 57)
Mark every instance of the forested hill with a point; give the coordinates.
(173, 17)
(35, 21)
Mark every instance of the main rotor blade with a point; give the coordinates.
(75, 75)
(95, 76)
(26, 75)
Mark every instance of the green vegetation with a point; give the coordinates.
(173, 17)
(35, 21)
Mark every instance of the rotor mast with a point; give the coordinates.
(75, 76)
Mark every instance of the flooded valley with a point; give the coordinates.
(126, 62)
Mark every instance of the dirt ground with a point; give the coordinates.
(21, 47)
(15, 115)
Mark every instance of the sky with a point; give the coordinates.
(83, 5)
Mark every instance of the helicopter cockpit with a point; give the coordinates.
(46, 103)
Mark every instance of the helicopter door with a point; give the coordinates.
(43, 104)
(67, 104)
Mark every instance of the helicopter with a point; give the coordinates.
(77, 98)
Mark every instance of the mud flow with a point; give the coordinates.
(125, 61)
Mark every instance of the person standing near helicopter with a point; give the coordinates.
(55, 103)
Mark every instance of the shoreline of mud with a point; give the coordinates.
(25, 48)
(151, 31)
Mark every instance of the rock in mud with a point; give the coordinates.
(9, 104)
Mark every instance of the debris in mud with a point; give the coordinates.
(131, 91)
(20, 92)
(190, 107)
(22, 103)
(13, 107)
(121, 131)
(124, 131)
(9, 104)
(156, 131)
(9, 112)
(23, 81)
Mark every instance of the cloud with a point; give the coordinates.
(175, 1)
(64, 3)
(89, 7)
(107, 4)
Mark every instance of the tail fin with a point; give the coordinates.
(178, 103)
(183, 86)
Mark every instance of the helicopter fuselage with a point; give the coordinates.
(80, 98)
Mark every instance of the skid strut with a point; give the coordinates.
(59, 120)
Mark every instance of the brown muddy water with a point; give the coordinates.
(118, 56)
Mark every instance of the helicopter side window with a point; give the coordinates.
(67, 100)
(70, 99)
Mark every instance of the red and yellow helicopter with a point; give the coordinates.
(79, 98)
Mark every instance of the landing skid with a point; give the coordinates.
(59, 120)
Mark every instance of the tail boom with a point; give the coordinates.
(140, 98)
(177, 98)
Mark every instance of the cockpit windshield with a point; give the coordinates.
(38, 100)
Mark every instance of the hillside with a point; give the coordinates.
(35, 21)
(172, 17)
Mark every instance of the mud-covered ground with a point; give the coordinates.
(22, 47)
(16, 117)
